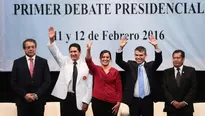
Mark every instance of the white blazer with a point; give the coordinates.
(84, 80)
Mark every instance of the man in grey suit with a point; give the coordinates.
(179, 86)
(74, 84)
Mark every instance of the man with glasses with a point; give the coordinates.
(30, 79)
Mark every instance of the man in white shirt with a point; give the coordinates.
(74, 84)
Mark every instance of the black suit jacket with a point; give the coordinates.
(186, 92)
(21, 80)
(131, 69)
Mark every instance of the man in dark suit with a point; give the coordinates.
(30, 78)
(140, 79)
(179, 86)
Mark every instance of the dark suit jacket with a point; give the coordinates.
(186, 92)
(131, 69)
(21, 80)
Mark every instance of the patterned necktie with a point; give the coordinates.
(31, 66)
(178, 77)
(141, 81)
(75, 74)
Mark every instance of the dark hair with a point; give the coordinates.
(179, 51)
(75, 45)
(105, 51)
(141, 49)
(29, 40)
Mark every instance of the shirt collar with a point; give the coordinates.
(181, 67)
(78, 61)
(142, 64)
(34, 57)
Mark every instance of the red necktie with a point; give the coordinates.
(31, 66)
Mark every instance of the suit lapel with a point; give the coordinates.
(135, 65)
(173, 78)
(80, 67)
(146, 69)
(182, 76)
(25, 64)
(67, 71)
(35, 66)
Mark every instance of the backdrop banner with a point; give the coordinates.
(177, 24)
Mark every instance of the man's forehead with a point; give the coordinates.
(73, 48)
(139, 52)
(177, 55)
(29, 42)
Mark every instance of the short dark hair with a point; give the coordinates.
(141, 49)
(105, 51)
(179, 51)
(29, 40)
(76, 46)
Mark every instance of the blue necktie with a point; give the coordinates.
(141, 81)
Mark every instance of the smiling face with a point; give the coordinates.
(140, 56)
(105, 58)
(74, 53)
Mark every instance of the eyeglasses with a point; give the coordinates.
(28, 47)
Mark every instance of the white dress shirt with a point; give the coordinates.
(146, 84)
(70, 85)
(28, 61)
(180, 71)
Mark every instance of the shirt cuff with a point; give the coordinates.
(172, 102)
(119, 50)
(157, 50)
(49, 44)
(185, 102)
(85, 103)
(36, 96)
